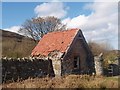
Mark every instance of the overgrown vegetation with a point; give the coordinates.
(71, 81)
(109, 55)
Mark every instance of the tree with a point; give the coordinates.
(110, 58)
(98, 48)
(108, 54)
(37, 27)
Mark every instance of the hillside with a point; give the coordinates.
(15, 45)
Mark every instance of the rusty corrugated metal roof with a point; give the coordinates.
(59, 40)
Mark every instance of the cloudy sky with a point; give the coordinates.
(97, 20)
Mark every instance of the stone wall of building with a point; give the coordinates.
(67, 66)
(55, 57)
(14, 69)
(57, 67)
(86, 62)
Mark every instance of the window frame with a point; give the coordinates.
(76, 62)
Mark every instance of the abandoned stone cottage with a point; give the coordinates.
(67, 50)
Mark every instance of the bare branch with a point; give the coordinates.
(37, 27)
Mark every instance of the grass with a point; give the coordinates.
(71, 81)
(15, 45)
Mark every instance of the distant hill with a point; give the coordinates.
(15, 45)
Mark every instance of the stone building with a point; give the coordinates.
(68, 51)
(114, 67)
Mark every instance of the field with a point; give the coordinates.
(71, 81)
(15, 45)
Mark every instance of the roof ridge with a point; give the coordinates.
(63, 30)
(61, 40)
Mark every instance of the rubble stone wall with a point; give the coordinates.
(85, 64)
(14, 69)
(98, 65)
(57, 67)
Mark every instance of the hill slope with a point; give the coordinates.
(15, 45)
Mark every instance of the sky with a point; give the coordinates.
(97, 20)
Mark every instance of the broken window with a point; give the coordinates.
(80, 37)
(77, 62)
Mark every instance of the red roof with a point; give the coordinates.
(59, 40)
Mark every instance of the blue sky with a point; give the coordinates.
(15, 13)
(98, 20)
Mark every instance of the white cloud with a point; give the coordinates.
(16, 29)
(77, 21)
(101, 24)
(56, 9)
(106, 0)
(13, 29)
(66, 20)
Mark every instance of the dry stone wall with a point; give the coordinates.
(14, 69)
